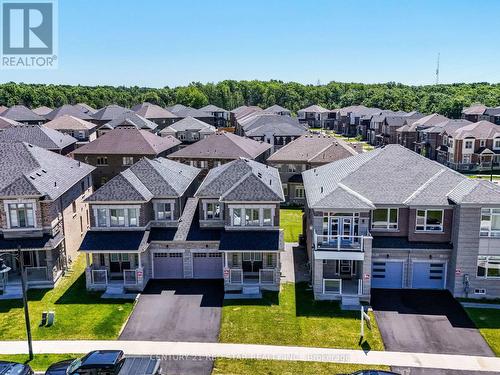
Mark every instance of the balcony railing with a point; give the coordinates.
(236, 276)
(129, 277)
(266, 276)
(99, 276)
(36, 273)
(340, 286)
(339, 243)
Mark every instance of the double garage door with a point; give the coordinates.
(171, 265)
(425, 275)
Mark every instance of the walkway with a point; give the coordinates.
(295, 353)
(478, 305)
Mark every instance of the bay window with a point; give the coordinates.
(429, 221)
(21, 215)
(252, 216)
(490, 222)
(164, 211)
(385, 218)
(116, 217)
(488, 267)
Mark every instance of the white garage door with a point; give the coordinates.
(207, 265)
(168, 266)
(428, 275)
(387, 275)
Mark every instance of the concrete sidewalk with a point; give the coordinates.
(241, 351)
(478, 305)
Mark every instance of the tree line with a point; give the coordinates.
(446, 99)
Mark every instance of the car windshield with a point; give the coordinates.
(74, 366)
(14, 369)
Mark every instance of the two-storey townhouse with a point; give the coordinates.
(315, 116)
(42, 213)
(83, 131)
(308, 151)
(433, 140)
(118, 149)
(23, 114)
(473, 147)
(353, 119)
(155, 113)
(68, 110)
(383, 127)
(220, 115)
(189, 130)
(492, 115)
(183, 111)
(139, 206)
(408, 134)
(474, 112)
(242, 199)
(220, 148)
(391, 218)
(41, 136)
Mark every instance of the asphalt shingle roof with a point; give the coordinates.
(7, 123)
(182, 111)
(70, 110)
(314, 108)
(38, 135)
(21, 113)
(152, 111)
(30, 170)
(112, 240)
(212, 108)
(276, 109)
(67, 122)
(131, 119)
(42, 111)
(189, 124)
(109, 112)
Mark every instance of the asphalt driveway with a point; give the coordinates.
(426, 321)
(178, 310)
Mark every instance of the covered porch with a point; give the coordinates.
(342, 277)
(251, 268)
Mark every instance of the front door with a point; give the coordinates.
(342, 228)
(346, 268)
(252, 262)
(118, 263)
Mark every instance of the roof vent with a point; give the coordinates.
(321, 189)
(259, 174)
(44, 171)
(32, 177)
(55, 183)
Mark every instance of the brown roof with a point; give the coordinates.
(319, 149)
(152, 111)
(128, 141)
(7, 123)
(223, 145)
(67, 122)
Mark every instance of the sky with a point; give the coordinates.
(159, 43)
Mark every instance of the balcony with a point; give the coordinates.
(339, 243)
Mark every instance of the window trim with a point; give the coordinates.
(260, 209)
(108, 209)
(7, 204)
(387, 226)
(157, 211)
(425, 230)
(205, 210)
(486, 258)
(130, 158)
(488, 229)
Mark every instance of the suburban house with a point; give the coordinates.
(220, 148)
(144, 200)
(41, 136)
(391, 218)
(474, 113)
(273, 129)
(119, 149)
(42, 213)
(108, 113)
(278, 110)
(382, 129)
(242, 112)
(182, 111)
(189, 130)
(68, 110)
(492, 115)
(473, 147)
(155, 113)
(83, 131)
(316, 116)
(220, 115)
(23, 114)
(41, 111)
(306, 152)
(430, 140)
(349, 120)
(408, 133)
(128, 120)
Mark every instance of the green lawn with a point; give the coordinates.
(264, 367)
(484, 176)
(294, 318)
(79, 314)
(40, 362)
(488, 323)
(291, 222)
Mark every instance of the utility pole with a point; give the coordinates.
(437, 69)
(25, 301)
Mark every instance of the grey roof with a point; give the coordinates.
(152, 111)
(261, 124)
(7, 123)
(30, 170)
(189, 124)
(85, 108)
(448, 126)
(223, 145)
(476, 109)
(42, 111)
(67, 122)
(314, 108)
(480, 130)
(147, 179)
(70, 110)
(392, 175)
(21, 113)
(277, 109)
(109, 112)
(130, 119)
(242, 180)
(183, 111)
(475, 192)
(212, 108)
(38, 135)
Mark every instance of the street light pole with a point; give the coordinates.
(25, 302)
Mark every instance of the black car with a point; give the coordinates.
(13, 368)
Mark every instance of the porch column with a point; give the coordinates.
(139, 260)
(225, 260)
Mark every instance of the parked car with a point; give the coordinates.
(14, 368)
(111, 362)
(373, 372)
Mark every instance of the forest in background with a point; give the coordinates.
(446, 99)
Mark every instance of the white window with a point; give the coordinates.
(385, 218)
(490, 222)
(252, 217)
(164, 211)
(466, 159)
(213, 211)
(21, 215)
(132, 217)
(488, 267)
(482, 143)
(182, 136)
(268, 217)
(299, 191)
(292, 168)
(468, 144)
(429, 221)
(496, 144)
(117, 217)
(285, 190)
(102, 217)
(128, 160)
(102, 160)
(237, 217)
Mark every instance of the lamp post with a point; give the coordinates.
(3, 270)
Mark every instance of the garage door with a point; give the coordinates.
(168, 266)
(387, 275)
(428, 275)
(207, 265)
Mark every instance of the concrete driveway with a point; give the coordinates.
(426, 321)
(178, 310)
